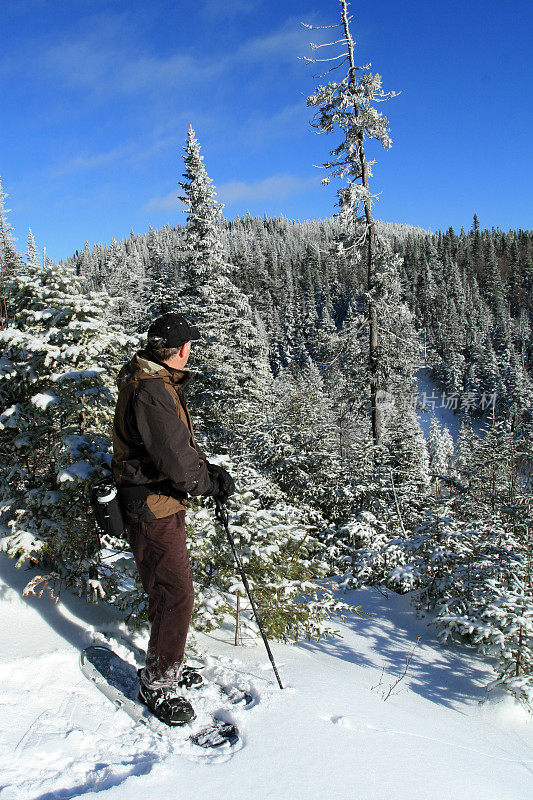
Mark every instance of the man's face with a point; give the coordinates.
(180, 359)
(186, 352)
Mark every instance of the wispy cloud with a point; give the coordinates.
(260, 127)
(105, 61)
(271, 189)
(287, 43)
(223, 8)
(167, 203)
(275, 187)
(131, 152)
(81, 162)
(105, 71)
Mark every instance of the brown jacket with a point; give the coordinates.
(156, 461)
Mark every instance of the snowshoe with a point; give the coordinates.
(190, 678)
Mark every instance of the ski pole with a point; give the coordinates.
(222, 515)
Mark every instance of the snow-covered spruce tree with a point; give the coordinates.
(463, 457)
(10, 261)
(299, 443)
(124, 283)
(32, 258)
(393, 488)
(510, 610)
(374, 542)
(57, 373)
(159, 296)
(405, 454)
(486, 598)
(468, 558)
(440, 447)
(284, 562)
(230, 358)
(348, 104)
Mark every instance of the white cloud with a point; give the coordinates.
(131, 152)
(82, 162)
(260, 127)
(286, 43)
(106, 61)
(169, 202)
(104, 70)
(223, 8)
(275, 187)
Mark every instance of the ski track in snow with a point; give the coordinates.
(346, 722)
(438, 737)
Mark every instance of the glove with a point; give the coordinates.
(222, 484)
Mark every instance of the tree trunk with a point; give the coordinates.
(370, 236)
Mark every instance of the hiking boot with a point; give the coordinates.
(166, 705)
(190, 678)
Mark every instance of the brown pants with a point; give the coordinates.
(162, 560)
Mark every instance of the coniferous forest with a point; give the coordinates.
(313, 335)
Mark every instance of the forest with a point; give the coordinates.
(313, 334)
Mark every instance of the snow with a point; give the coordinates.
(436, 403)
(44, 399)
(9, 417)
(328, 733)
(77, 375)
(79, 471)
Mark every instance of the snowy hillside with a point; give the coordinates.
(327, 734)
(436, 403)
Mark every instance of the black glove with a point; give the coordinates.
(222, 484)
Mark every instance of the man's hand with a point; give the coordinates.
(223, 485)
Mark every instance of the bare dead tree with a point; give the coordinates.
(349, 104)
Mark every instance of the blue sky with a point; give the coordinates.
(96, 98)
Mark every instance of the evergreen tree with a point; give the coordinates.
(477, 252)
(233, 371)
(161, 289)
(32, 258)
(348, 104)
(9, 262)
(440, 447)
(299, 442)
(56, 404)
(125, 284)
(282, 557)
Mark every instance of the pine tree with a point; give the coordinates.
(125, 284)
(160, 290)
(477, 253)
(232, 364)
(57, 398)
(281, 555)
(440, 447)
(348, 104)
(202, 233)
(299, 442)
(9, 262)
(464, 452)
(32, 258)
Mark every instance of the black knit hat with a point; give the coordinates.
(171, 330)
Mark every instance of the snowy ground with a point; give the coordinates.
(441, 405)
(327, 734)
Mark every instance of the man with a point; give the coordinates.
(157, 464)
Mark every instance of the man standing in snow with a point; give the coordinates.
(157, 464)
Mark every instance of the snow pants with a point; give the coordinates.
(160, 552)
